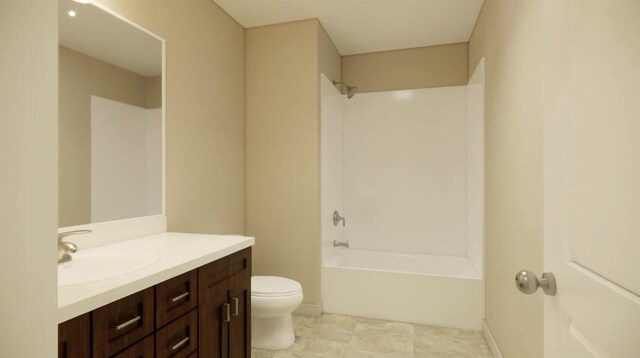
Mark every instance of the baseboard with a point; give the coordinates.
(309, 309)
(491, 341)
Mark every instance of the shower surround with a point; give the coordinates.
(406, 169)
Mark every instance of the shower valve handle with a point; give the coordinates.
(337, 218)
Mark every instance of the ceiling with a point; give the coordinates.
(361, 26)
(99, 34)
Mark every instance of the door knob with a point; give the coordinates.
(528, 283)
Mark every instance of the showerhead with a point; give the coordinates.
(351, 90)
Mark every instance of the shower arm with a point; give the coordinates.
(351, 90)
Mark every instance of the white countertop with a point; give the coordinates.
(179, 253)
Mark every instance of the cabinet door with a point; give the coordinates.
(213, 327)
(218, 284)
(240, 325)
(74, 340)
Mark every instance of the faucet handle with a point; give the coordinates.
(65, 247)
(62, 235)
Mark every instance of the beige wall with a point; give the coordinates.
(282, 158)
(508, 34)
(28, 178)
(80, 77)
(329, 60)
(422, 67)
(205, 111)
(153, 92)
(282, 148)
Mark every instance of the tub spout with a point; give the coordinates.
(344, 244)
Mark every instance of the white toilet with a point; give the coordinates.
(272, 301)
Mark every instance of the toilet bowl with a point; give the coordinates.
(272, 301)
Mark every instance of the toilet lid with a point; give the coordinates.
(274, 286)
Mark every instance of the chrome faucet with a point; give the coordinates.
(337, 218)
(66, 248)
(344, 244)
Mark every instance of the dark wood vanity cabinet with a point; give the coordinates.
(225, 307)
(74, 337)
(179, 338)
(122, 323)
(176, 297)
(240, 325)
(202, 313)
(143, 349)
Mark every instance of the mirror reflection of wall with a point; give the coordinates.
(110, 118)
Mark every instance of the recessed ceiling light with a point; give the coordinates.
(83, 1)
(72, 13)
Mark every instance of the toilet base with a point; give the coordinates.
(272, 332)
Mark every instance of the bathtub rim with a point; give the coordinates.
(333, 264)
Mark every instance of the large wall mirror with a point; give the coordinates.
(111, 117)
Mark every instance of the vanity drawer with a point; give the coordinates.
(176, 297)
(179, 338)
(142, 349)
(121, 323)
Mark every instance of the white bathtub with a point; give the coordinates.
(437, 290)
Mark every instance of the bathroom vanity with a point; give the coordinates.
(194, 301)
(126, 287)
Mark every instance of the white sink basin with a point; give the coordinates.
(94, 265)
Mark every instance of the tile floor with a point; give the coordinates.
(336, 336)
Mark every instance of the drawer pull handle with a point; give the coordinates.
(123, 325)
(236, 304)
(226, 312)
(179, 297)
(180, 343)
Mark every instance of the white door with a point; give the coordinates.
(592, 178)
